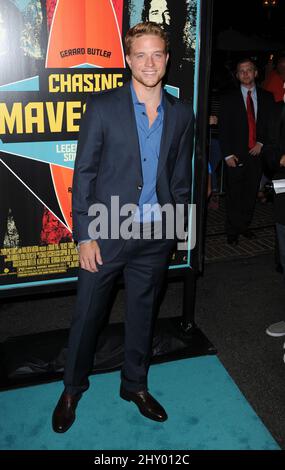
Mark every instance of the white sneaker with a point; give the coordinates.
(276, 329)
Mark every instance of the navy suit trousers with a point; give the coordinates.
(143, 264)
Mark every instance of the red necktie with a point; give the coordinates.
(251, 121)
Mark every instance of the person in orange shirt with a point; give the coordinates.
(275, 79)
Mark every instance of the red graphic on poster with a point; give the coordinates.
(86, 33)
(53, 231)
(62, 181)
(50, 6)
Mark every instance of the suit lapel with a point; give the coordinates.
(242, 104)
(259, 104)
(169, 123)
(127, 120)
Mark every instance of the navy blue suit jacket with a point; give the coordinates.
(108, 159)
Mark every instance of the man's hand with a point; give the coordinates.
(232, 161)
(90, 256)
(282, 160)
(256, 149)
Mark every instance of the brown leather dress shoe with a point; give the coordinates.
(147, 405)
(64, 413)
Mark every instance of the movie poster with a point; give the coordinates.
(52, 54)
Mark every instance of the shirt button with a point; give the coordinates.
(139, 187)
(144, 159)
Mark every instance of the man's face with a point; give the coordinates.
(147, 60)
(246, 74)
(158, 12)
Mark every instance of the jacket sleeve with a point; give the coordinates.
(271, 151)
(87, 162)
(182, 174)
(225, 127)
(264, 134)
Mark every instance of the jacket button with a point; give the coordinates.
(139, 186)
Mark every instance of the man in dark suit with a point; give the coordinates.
(274, 157)
(244, 118)
(136, 144)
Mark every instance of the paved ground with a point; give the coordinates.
(216, 246)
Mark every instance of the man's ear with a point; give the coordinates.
(128, 60)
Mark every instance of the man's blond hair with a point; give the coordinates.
(141, 29)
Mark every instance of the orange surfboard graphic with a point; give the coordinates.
(118, 7)
(62, 180)
(86, 32)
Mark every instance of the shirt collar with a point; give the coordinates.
(136, 101)
(245, 90)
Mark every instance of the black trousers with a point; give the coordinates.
(241, 189)
(144, 264)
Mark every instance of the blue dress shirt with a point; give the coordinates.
(149, 142)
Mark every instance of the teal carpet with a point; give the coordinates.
(206, 412)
